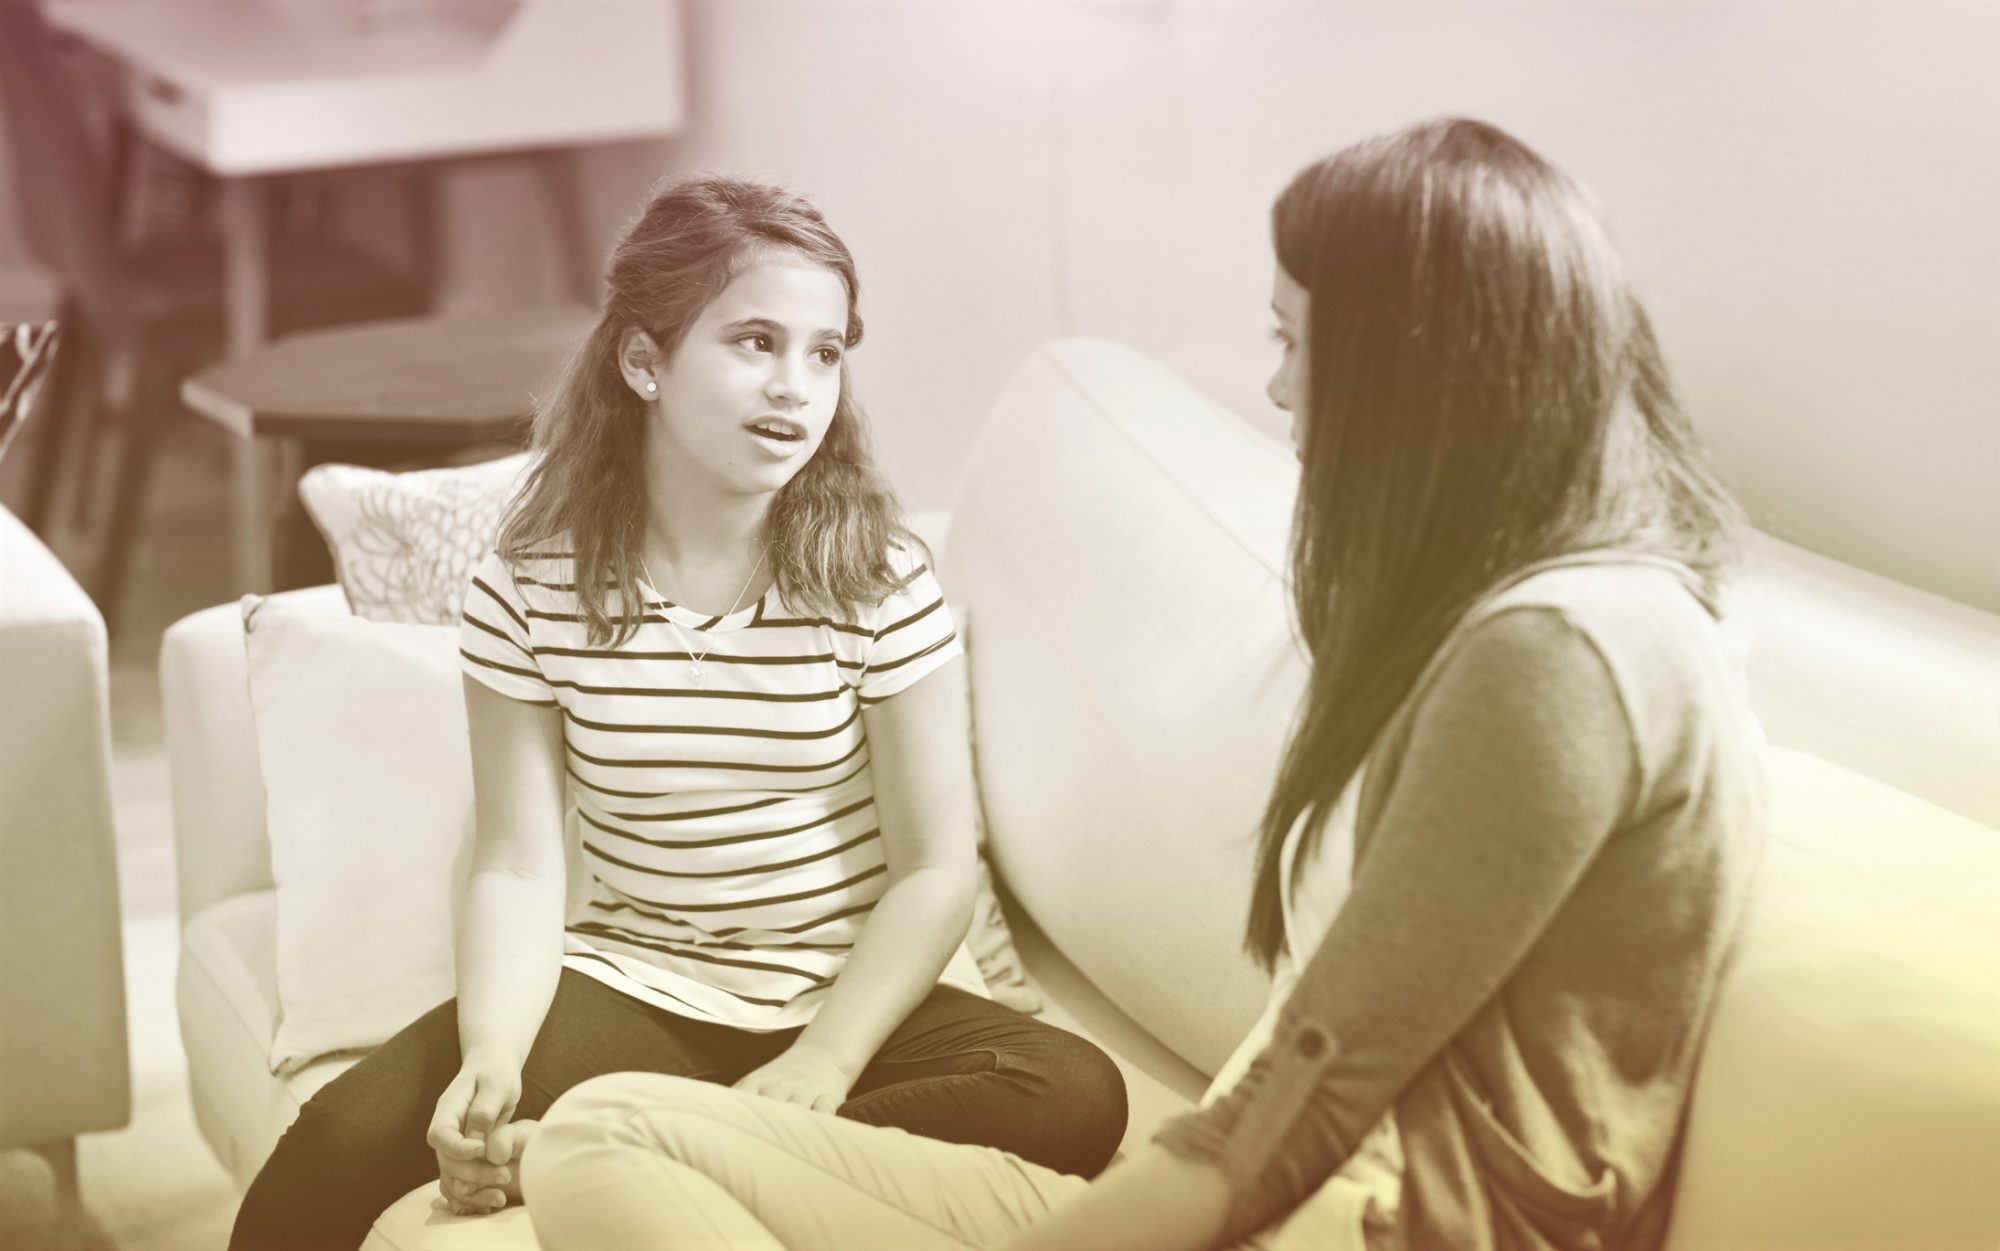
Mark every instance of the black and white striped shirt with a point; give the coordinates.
(728, 828)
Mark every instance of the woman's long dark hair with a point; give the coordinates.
(1483, 391)
(830, 527)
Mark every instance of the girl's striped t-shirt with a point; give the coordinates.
(727, 826)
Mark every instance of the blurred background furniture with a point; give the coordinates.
(64, 1058)
(1134, 588)
(140, 317)
(251, 89)
(26, 351)
(409, 391)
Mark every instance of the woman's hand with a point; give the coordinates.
(470, 1133)
(803, 1074)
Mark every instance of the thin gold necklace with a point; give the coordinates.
(695, 658)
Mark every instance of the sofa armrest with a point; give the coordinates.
(62, 982)
(221, 848)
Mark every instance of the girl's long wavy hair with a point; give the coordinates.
(1484, 391)
(830, 528)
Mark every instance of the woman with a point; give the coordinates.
(707, 627)
(1524, 734)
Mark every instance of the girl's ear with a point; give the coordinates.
(638, 359)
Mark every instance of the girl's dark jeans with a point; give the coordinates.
(960, 1068)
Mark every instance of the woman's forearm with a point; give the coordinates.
(909, 938)
(509, 955)
(1154, 1200)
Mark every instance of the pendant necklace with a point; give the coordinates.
(695, 658)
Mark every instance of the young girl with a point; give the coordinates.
(1523, 734)
(707, 628)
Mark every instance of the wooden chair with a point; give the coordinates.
(148, 314)
(409, 391)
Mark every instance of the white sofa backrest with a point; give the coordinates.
(1120, 543)
(1110, 508)
(1886, 680)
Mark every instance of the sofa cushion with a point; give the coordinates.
(404, 544)
(1849, 1093)
(1128, 722)
(367, 771)
(221, 847)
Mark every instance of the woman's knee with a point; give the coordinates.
(616, 1096)
(619, 1111)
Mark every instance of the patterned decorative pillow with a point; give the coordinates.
(404, 544)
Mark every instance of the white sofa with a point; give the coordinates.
(1120, 542)
(64, 1064)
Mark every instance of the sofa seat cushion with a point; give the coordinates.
(1856, 1040)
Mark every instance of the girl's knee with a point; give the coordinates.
(331, 1133)
(1089, 1089)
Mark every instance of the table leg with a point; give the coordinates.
(246, 289)
(420, 202)
(561, 179)
(249, 514)
(246, 294)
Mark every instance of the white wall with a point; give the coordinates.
(926, 133)
(1808, 192)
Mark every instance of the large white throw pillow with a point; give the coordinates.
(367, 769)
(1120, 541)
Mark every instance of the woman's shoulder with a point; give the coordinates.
(1630, 608)
(1642, 631)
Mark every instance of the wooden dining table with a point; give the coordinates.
(253, 90)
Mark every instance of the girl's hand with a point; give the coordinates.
(470, 1126)
(802, 1074)
(491, 1183)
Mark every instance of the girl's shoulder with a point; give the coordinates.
(541, 572)
(910, 579)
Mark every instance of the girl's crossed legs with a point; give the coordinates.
(646, 1160)
(959, 1067)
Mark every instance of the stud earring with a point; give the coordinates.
(651, 387)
